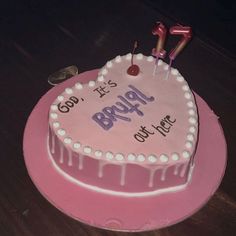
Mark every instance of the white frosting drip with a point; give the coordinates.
(70, 163)
(81, 162)
(151, 177)
(53, 142)
(120, 193)
(61, 160)
(184, 168)
(163, 174)
(123, 173)
(101, 164)
(176, 170)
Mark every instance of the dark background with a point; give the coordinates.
(38, 38)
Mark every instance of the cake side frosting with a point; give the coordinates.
(146, 120)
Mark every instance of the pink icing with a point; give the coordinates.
(173, 101)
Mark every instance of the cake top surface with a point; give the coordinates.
(150, 118)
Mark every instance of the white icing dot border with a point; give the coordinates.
(131, 157)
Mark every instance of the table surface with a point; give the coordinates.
(36, 43)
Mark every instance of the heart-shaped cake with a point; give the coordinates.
(130, 135)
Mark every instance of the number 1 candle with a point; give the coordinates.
(159, 52)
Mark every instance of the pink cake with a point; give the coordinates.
(127, 135)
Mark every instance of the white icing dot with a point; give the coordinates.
(164, 158)
(150, 58)
(131, 157)
(180, 78)
(186, 154)
(190, 137)
(166, 67)
(100, 78)
(91, 83)
(192, 120)
(152, 158)
(87, 149)
(191, 112)
(54, 107)
(68, 90)
(109, 64)
(160, 62)
(118, 59)
(61, 132)
(128, 56)
(187, 95)
(76, 145)
(175, 157)
(67, 140)
(192, 129)
(78, 86)
(185, 87)
(56, 124)
(139, 56)
(119, 157)
(53, 115)
(104, 71)
(109, 155)
(60, 98)
(190, 104)
(98, 153)
(141, 158)
(174, 71)
(188, 144)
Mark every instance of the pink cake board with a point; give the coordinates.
(124, 213)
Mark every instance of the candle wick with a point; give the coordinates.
(134, 48)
